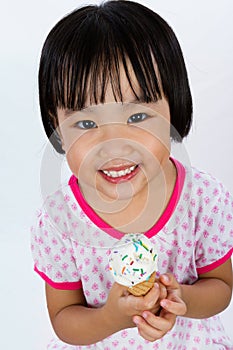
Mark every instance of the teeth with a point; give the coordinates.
(113, 173)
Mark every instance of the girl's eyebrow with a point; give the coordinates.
(126, 105)
(69, 112)
(129, 103)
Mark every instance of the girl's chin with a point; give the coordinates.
(119, 191)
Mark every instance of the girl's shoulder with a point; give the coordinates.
(203, 183)
(206, 196)
(58, 208)
(202, 197)
(61, 200)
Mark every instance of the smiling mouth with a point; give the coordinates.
(119, 175)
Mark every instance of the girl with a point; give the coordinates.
(113, 91)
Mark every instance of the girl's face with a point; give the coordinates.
(116, 150)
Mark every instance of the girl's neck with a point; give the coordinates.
(145, 209)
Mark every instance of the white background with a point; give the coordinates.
(205, 32)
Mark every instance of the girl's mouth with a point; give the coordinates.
(122, 174)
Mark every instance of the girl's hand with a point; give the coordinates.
(121, 306)
(173, 302)
(152, 327)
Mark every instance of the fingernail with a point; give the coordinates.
(144, 315)
(156, 285)
(166, 277)
(136, 320)
(163, 303)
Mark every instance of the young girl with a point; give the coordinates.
(113, 91)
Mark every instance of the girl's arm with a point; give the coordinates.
(72, 320)
(76, 323)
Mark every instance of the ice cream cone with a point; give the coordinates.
(133, 262)
(144, 287)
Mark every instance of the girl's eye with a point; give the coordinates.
(85, 124)
(137, 118)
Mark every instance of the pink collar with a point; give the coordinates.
(73, 183)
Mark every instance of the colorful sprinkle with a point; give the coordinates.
(124, 257)
(136, 247)
(143, 245)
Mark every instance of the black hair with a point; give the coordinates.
(84, 51)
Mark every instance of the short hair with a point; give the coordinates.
(84, 50)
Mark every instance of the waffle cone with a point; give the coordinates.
(143, 288)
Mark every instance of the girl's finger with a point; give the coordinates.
(163, 291)
(144, 303)
(146, 330)
(163, 324)
(169, 281)
(152, 327)
(151, 298)
(177, 306)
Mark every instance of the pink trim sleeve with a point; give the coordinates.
(215, 264)
(59, 285)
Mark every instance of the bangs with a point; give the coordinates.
(92, 57)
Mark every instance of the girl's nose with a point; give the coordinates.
(115, 143)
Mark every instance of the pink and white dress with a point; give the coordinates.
(71, 246)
